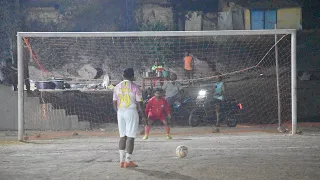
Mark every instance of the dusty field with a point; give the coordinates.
(227, 155)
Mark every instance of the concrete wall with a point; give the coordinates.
(247, 19)
(153, 13)
(194, 22)
(8, 109)
(37, 116)
(44, 15)
(210, 22)
(289, 18)
(225, 21)
(238, 20)
(232, 20)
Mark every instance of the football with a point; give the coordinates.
(181, 151)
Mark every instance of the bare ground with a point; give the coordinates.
(242, 153)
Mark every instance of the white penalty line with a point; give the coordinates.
(143, 150)
(246, 148)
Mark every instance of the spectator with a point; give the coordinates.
(218, 98)
(188, 66)
(13, 74)
(172, 89)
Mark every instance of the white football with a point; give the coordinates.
(181, 151)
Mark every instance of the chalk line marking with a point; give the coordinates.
(262, 148)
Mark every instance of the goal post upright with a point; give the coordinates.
(20, 87)
(294, 81)
(20, 35)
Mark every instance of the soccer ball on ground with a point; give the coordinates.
(181, 151)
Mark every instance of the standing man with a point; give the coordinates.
(13, 74)
(218, 98)
(172, 89)
(188, 66)
(127, 97)
(2, 71)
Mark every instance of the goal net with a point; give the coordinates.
(72, 74)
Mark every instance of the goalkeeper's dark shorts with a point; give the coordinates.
(216, 102)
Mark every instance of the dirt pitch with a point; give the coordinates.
(227, 155)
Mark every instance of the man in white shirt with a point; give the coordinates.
(127, 98)
(172, 89)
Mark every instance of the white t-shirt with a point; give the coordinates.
(171, 89)
(127, 94)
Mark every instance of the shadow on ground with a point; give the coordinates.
(164, 175)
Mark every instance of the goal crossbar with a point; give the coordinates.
(157, 33)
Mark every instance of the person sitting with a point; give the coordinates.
(156, 67)
(172, 89)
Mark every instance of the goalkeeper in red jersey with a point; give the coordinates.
(157, 108)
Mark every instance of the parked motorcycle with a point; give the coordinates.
(205, 112)
(180, 110)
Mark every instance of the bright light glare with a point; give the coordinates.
(202, 92)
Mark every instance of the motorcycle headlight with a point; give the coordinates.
(176, 104)
(202, 92)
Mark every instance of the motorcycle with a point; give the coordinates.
(180, 110)
(205, 111)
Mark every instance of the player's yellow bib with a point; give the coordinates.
(124, 96)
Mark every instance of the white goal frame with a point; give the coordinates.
(20, 35)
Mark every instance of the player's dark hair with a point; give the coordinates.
(158, 90)
(128, 74)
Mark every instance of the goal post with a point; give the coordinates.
(233, 48)
(294, 81)
(20, 87)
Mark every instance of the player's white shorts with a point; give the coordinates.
(128, 122)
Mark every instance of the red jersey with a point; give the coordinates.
(157, 109)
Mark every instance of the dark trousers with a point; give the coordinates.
(14, 79)
(188, 74)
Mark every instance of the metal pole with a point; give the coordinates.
(20, 87)
(294, 81)
(277, 75)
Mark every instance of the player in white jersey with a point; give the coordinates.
(127, 98)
